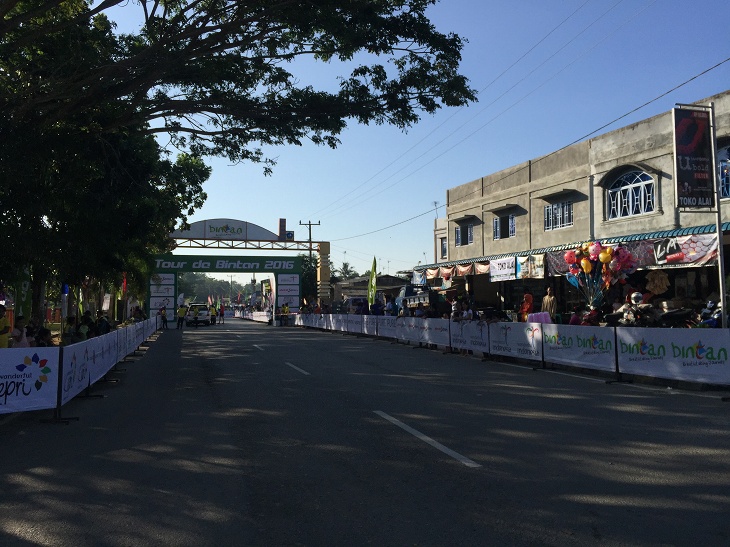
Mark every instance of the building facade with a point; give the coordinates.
(617, 187)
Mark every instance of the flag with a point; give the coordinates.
(371, 283)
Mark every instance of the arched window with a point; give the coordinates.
(723, 158)
(631, 194)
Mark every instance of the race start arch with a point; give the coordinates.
(239, 235)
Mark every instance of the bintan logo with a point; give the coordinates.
(699, 351)
(226, 229)
(644, 349)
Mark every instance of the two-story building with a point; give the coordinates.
(508, 231)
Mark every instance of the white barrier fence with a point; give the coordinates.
(692, 355)
(46, 378)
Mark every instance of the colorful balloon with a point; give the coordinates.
(586, 265)
(604, 257)
(570, 257)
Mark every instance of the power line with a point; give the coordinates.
(717, 65)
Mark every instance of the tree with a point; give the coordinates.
(346, 271)
(221, 76)
(80, 107)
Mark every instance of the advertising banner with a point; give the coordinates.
(339, 322)
(584, 346)
(693, 168)
(225, 264)
(502, 269)
(386, 326)
(370, 325)
(471, 335)
(531, 267)
(521, 340)
(694, 355)
(102, 355)
(354, 323)
(75, 370)
(28, 379)
(407, 330)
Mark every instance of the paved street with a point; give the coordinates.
(245, 434)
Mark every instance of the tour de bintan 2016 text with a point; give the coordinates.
(226, 265)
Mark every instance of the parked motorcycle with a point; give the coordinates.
(711, 315)
(678, 318)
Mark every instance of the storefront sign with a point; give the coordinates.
(693, 167)
(531, 267)
(502, 269)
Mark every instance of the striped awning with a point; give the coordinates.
(706, 229)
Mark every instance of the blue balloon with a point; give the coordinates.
(572, 279)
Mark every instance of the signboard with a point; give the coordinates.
(531, 267)
(585, 346)
(502, 269)
(693, 168)
(227, 264)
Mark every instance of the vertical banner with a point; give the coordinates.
(372, 283)
(693, 151)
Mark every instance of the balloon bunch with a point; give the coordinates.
(593, 268)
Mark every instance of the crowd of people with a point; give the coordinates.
(23, 334)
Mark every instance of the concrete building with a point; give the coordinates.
(618, 187)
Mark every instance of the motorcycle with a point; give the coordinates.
(711, 315)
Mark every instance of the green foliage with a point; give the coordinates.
(80, 107)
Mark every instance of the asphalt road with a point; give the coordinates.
(245, 434)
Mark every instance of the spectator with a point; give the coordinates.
(44, 339)
(4, 328)
(550, 303)
(163, 316)
(18, 336)
(526, 305)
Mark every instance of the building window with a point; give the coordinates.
(723, 158)
(464, 235)
(558, 215)
(630, 195)
(504, 227)
(444, 248)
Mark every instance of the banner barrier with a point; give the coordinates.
(30, 377)
(387, 326)
(470, 335)
(523, 340)
(577, 345)
(370, 325)
(353, 323)
(694, 355)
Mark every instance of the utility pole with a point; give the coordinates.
(309, 226)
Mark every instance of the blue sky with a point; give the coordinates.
(549, 73)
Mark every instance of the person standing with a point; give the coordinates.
(163, 316)
(550, 303)
(526, 306)
(181, 311)
(222, 314)
(4, 328)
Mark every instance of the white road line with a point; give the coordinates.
(458, 457)
(258, 347)
(297, 369)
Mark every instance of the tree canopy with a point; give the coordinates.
(82, 108)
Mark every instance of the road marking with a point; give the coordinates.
(298, 369)
(258, 347)
(458, 457)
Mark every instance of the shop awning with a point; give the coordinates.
(706, 229)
